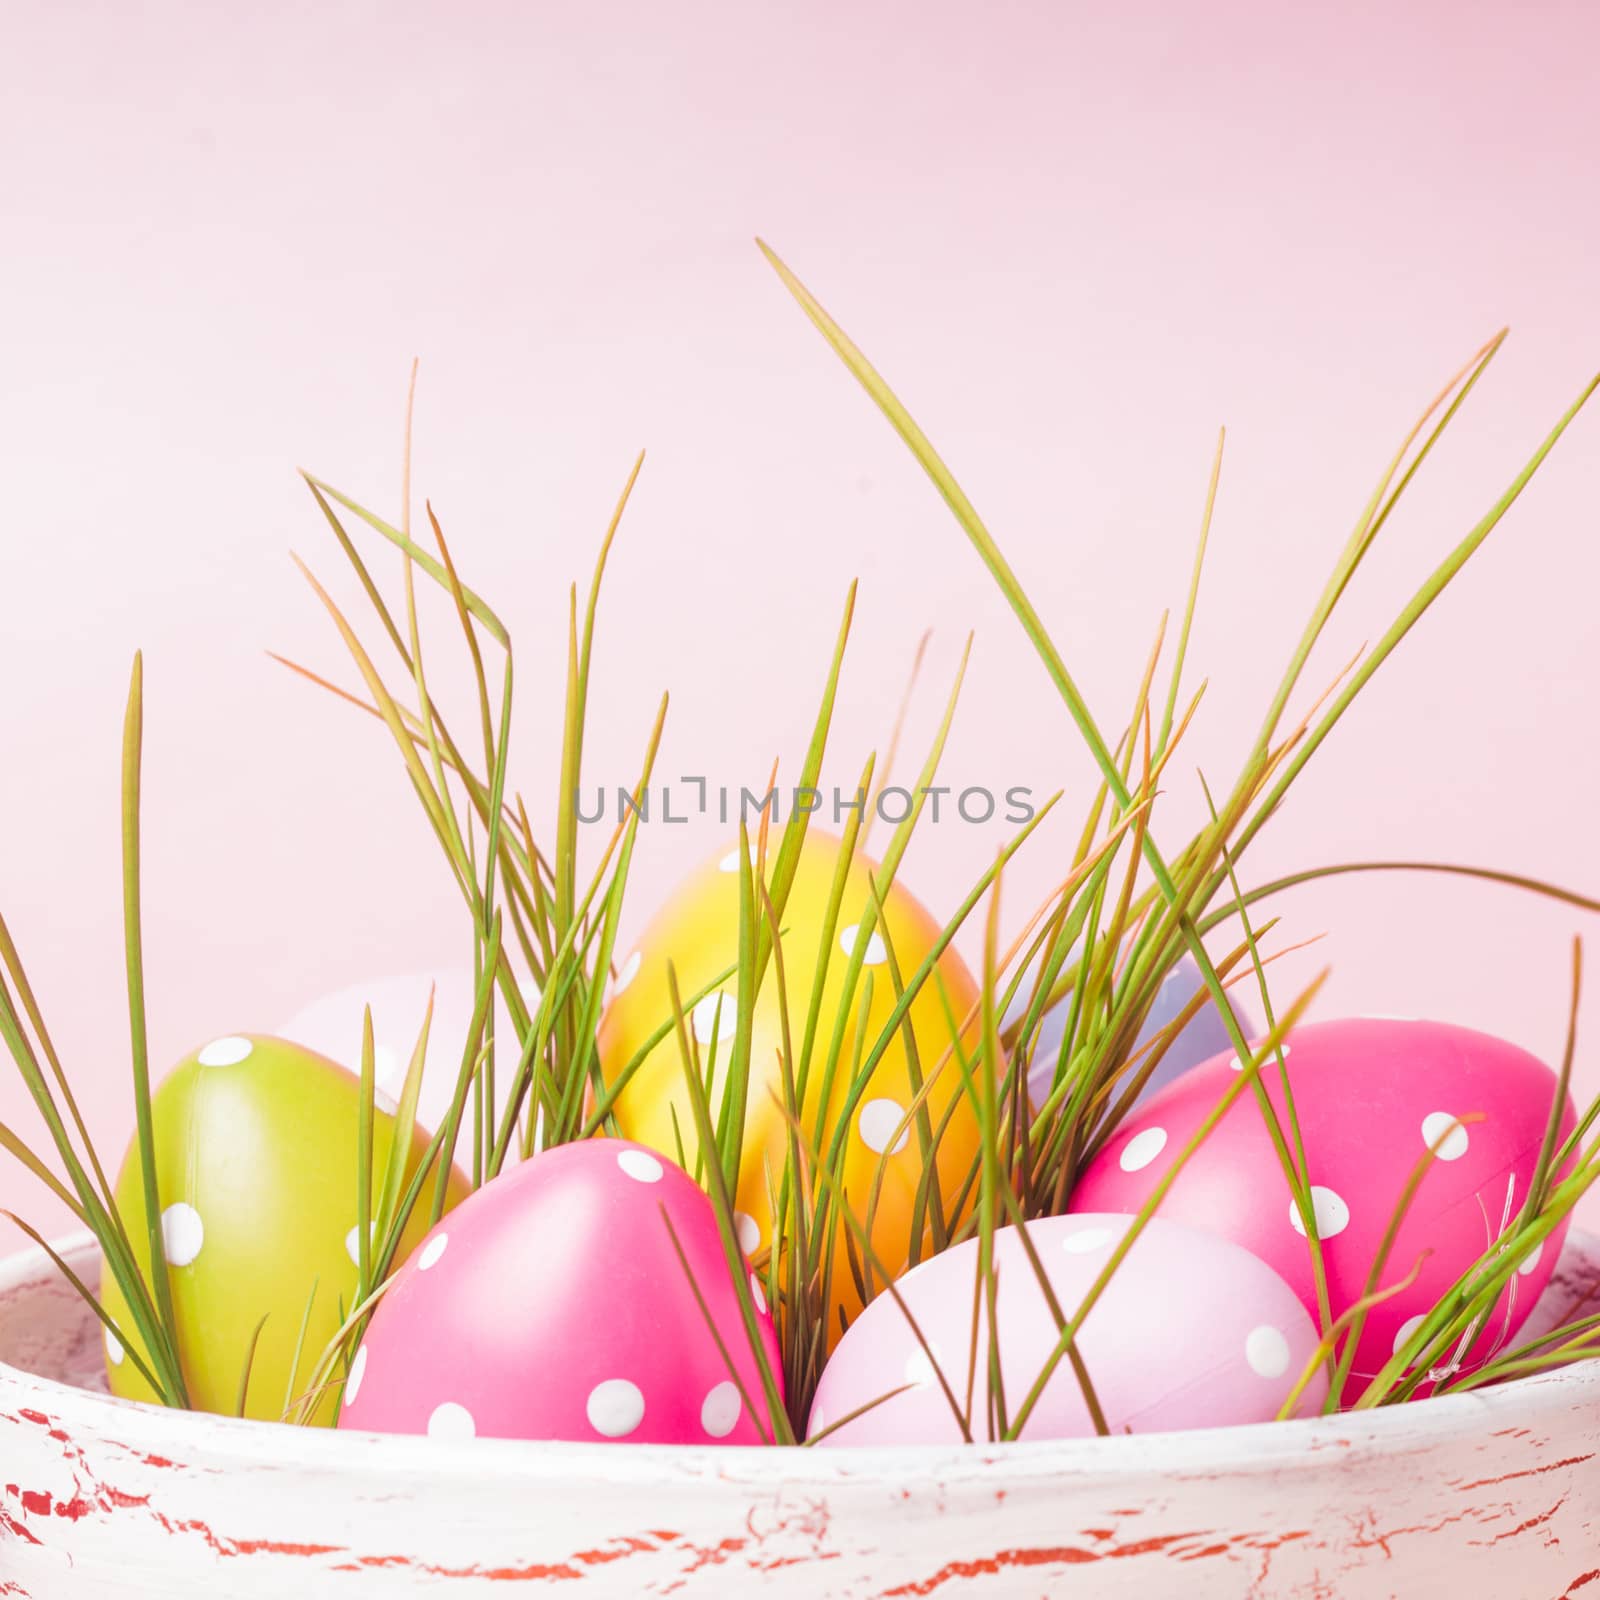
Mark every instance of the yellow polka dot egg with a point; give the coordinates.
(256, 1158)
(697, 933)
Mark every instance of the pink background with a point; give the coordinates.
(1077, 239)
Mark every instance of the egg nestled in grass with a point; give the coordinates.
(587, 1294)
(332, 1026)
(1189, 1331)
(1200, 1038)
(882, 1142)
(256, 1160)
(1372, 1097)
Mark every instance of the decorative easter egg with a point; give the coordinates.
(1372, 1096)
(553, 1304)
(1200, 1038)
(256, 1152)
(698, 933)
(332, 1027)
(1190, 1332)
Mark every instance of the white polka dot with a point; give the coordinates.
(730, 862)
(352, 1241)
(626, 973)
(641, 1166)
(358, 1370)
(386, 1103)
(432, 1250)
(114, 1350)
(1086, 1240)
(877, 951)
(615, 1408)
(719, 1413)
(1238, 1066)
(756, 1294)
(1332, 1214)
(818, 1422)
(1442, 1134)
(451, 1421)
(710, 1016)
(1267, 1352)
(385, 1062)
(1531, 1260)
(878, 1123)
(1403, 1334)
(182, 1234)
(1142, 1149)
(227, 1052)
(919, 1369)
(749, 1231)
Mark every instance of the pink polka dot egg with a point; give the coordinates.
(1372, 1096)
(554, 1304)
(1190, 1332)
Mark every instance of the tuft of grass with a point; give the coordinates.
(1143, 933)
(543, 908)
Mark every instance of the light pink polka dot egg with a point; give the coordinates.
(552, 1304)
(1190, 1332)
(1371, 1096)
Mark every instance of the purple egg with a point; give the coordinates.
(1205, 1036)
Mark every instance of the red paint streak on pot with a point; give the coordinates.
(9, 1524)
(561, 1572)
(533, 1574)
(37, 1503)
(988, 1566)
(279, 1547)
(1526, 1472)
(236, 1547)
(633, 1545)
(1532, 1522)
(1174, 1545)
(715, 1555)
(779, 1562)
(118, 1500)
(248, 1547)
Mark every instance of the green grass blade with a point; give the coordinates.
(132, 753)
(249, 1365)
(366, 1110)
(475, 604)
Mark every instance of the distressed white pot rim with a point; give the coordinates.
(217, 1441)
(1494, 1492)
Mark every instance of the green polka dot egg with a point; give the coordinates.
(256, 1152)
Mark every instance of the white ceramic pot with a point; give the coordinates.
(1495, 1494)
